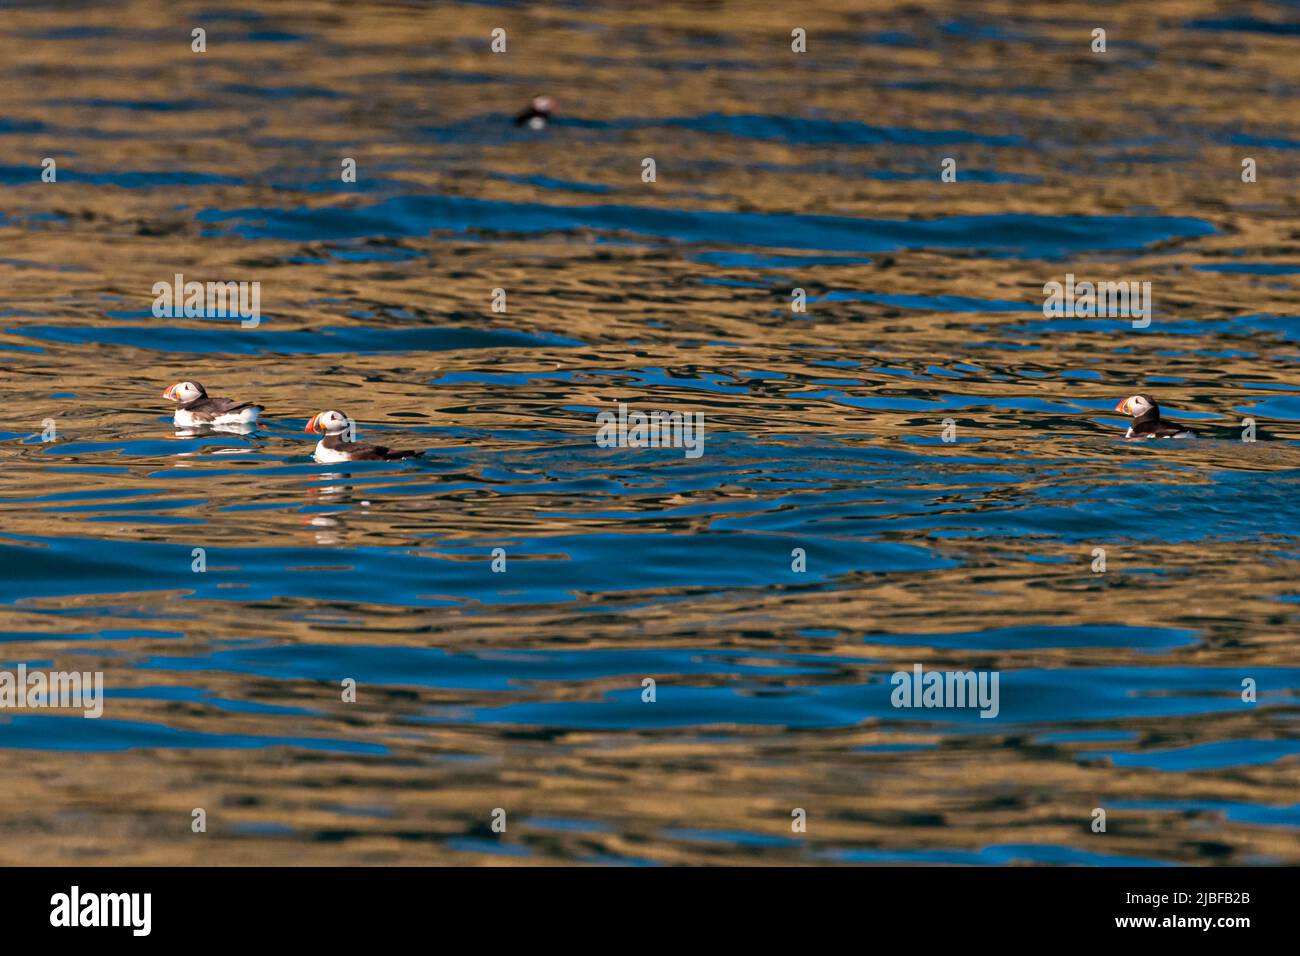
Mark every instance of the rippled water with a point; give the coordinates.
(522, 690)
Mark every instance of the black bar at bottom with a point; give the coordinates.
(298, 906)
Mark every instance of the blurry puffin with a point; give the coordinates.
(538, 113)
(1147, 422)
(197, 409)
(334, 448)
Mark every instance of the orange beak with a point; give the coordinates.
(311, 425)
(170, 393)
(1122, 407)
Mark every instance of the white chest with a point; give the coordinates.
(329, 455)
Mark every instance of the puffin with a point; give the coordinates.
(335, 448)
(538, 113)
(1147, 422)
(195, 408)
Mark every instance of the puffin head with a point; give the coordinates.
(185, 392)
(1135, 406)
(544, 104)
(331, 423)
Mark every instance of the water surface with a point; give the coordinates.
(522, 689)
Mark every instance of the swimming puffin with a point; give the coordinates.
(197, 409)
(1147, 422)
(538, 112)
(334, 447)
